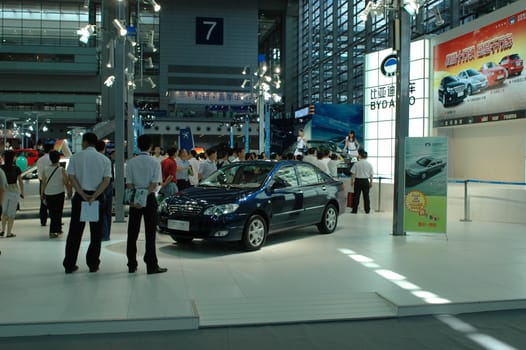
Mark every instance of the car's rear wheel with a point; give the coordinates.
(255, 233)
(182, 240)
(329, 220)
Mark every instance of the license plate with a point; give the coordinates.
(500, 77)
(460, 94)
(179, 225)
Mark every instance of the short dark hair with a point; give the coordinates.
(171, 151)
(54, 156)
(100, 146)
(90, 138)
(210, 151)
(144, 142)
(48, 147)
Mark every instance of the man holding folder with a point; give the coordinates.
(90, 174)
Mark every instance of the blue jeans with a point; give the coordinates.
(169, 189)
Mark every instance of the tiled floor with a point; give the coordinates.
(360, 271)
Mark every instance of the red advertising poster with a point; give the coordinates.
(478, 77)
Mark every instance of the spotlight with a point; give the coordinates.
(152, 83)
(244, 83)
(85, 33)
(132, 42)
(156, 6)
(86, 4)
(151, 37)
(109, 81)
(149, 63)
(111, 54)
(132, 57)
(120, 27)
(438, 17)
(245, 70)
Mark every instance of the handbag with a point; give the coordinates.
(44, 201)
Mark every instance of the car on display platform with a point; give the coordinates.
(495, 73)
(474, 80)
(424, 167)
(513, 64)
(451, 91)
(246, 201)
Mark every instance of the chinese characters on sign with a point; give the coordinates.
(382, 97)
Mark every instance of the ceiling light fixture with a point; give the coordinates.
(149, 63)
(111, 54)
(132, 57)
(85, 33)
(120, 27)
(155, 5)
(109, 81)
(151, 37)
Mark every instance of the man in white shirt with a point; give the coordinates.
(90, 174)
(42, 163)
(362, 180)
(143, 172)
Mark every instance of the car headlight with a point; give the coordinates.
(162, 207)
(222, 209)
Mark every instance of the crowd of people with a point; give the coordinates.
(88, 182)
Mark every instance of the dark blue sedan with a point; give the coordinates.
(245, 201)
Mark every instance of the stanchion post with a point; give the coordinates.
(466, 203)
(378, 209)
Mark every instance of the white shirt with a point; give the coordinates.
(363, 169)
(54, 180)
(323, 164)
(89, 168)
(143, 170)
(42, 163)
(194, 178)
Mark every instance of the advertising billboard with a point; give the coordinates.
(478, 76)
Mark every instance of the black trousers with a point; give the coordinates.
(361, 186)
(43, 212)
(182, 184)
(76, 229)
(149, 212)
(55, 205)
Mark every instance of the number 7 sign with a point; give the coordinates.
(208, 31)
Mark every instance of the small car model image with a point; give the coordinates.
(245, 201)
(424, 167)
(451, 91)
(474, 80)
(513, 64)
(496, 74)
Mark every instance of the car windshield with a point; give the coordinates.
(472, 72)
(515, 57)
(423, 161)
(449, 79)
(240, 175)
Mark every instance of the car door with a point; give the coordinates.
(286, 198)
(314, 191)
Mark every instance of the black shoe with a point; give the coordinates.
(73, 269)
(132, 269)
(93, 269)
(2, 234)
(157, 270)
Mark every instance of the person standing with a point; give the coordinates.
(42, 163)
(183, 170)
(108, 197)
(143, 172)
(351, 146)
(54, 181)
(194, 164)
(14, 190)
(90, 174)
(209, 165)
(3, 185)
(301, 144)
(169, 174)
(362, 181)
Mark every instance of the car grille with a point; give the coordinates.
(459, 89)
(185, 209)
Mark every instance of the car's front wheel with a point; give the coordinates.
(469, 90)
(255, 233)
(329, 220)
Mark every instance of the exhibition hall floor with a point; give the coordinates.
(360, 272)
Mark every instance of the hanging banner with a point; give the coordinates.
(426, 184)
(186, 140)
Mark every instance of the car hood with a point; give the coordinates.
(209, 195)
(453, 85)
(415, 167)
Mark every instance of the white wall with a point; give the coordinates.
(494, 151)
